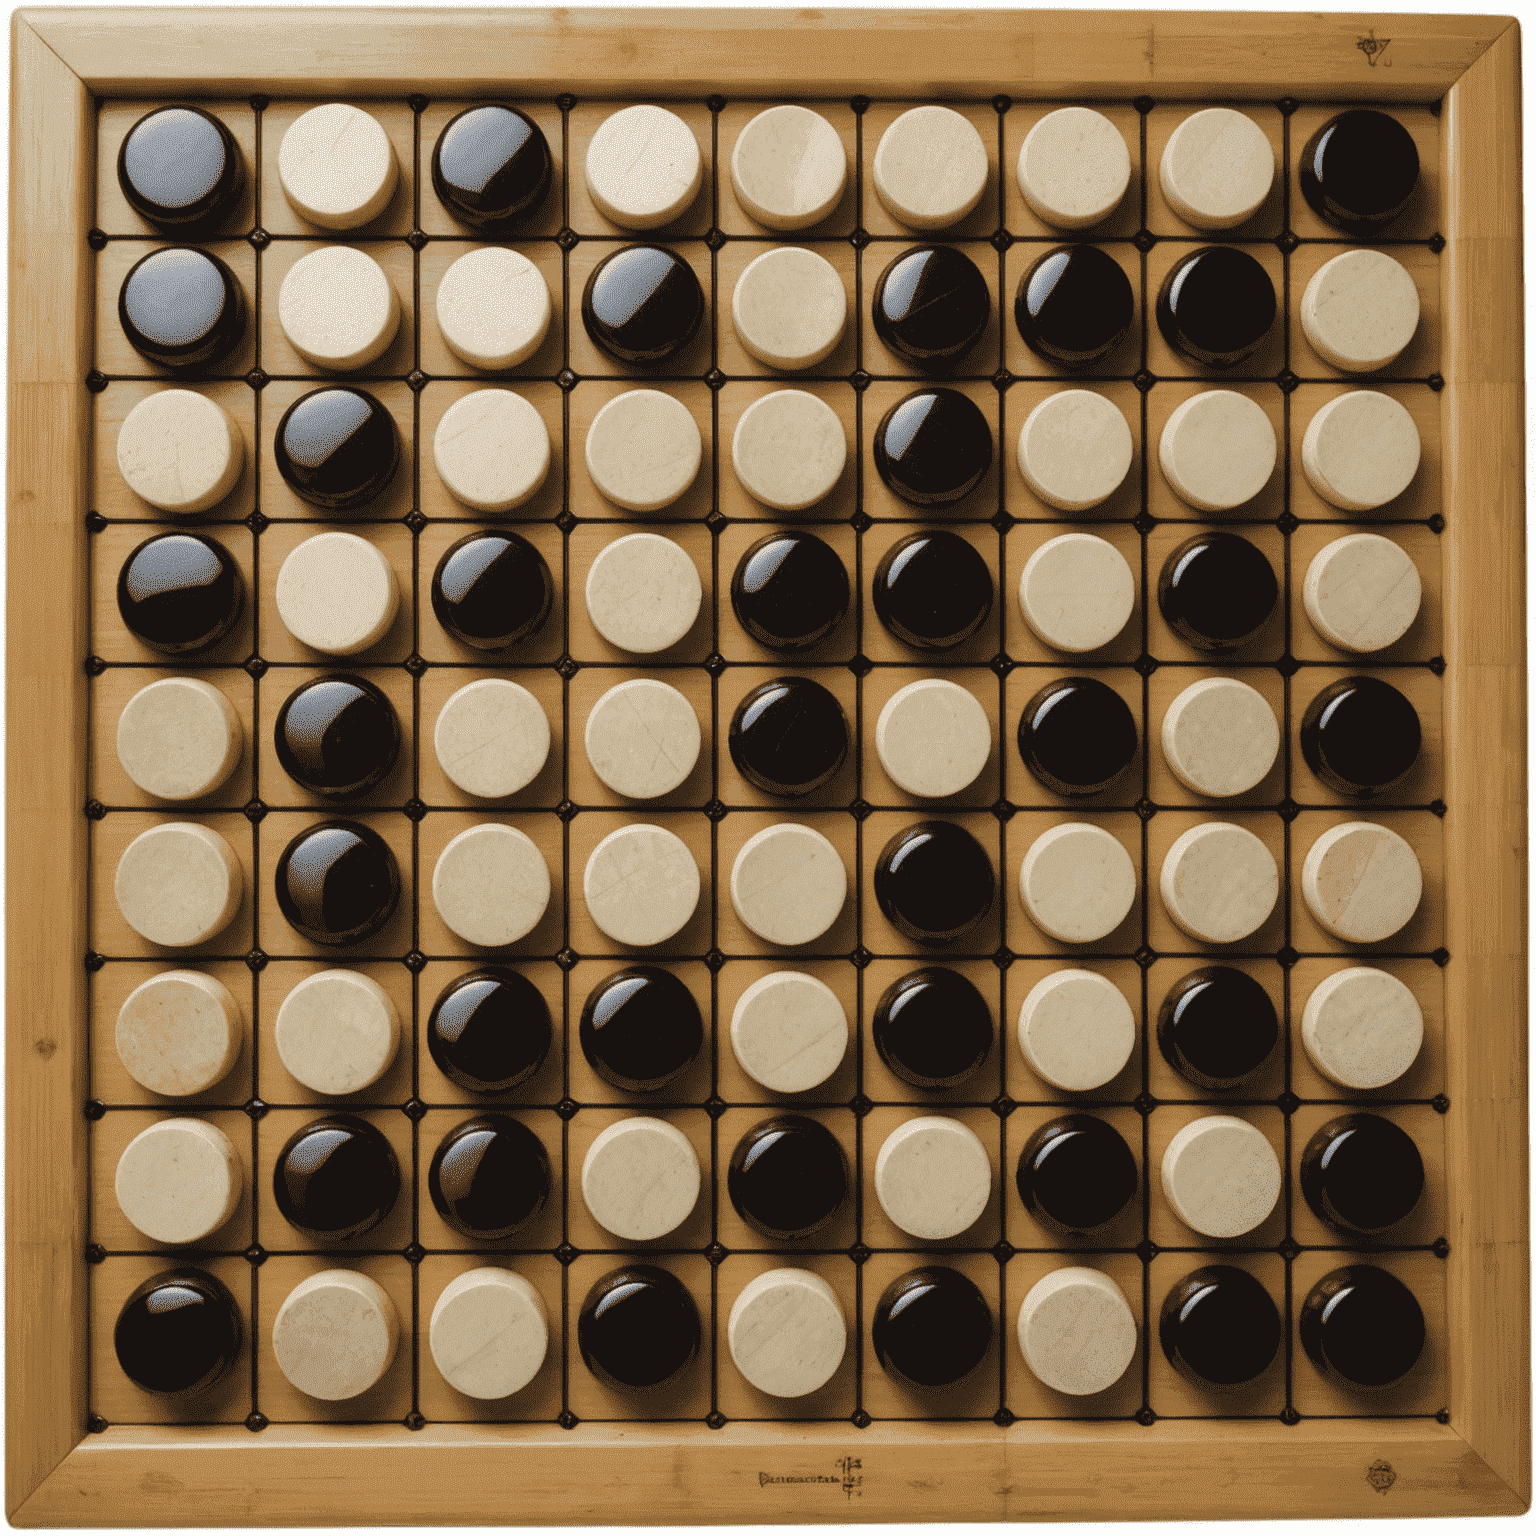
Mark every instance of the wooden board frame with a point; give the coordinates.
(1478, 1463)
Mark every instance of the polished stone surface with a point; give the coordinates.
(934, 882)
(638, 1328)
(1077, 736)
(1358, 171)
(641, 1029)
(790, 591)
(933, 590)
(643, 304)
(1360, 736)
(492, 590)
(491, 167)
(489, 1030)
(180, 168)
(1216, 306)
(932, 1327)
(1217, 1027)
(489, 1177)
(932, 1028)
(182, 308)
(1217, 591)
(336, 447)
(788, 1177)
(1361, 1173)
(337, 735)
(1219, 1327)
(788, 736)
(178, 1333)
(180, 592)
(1076, 1173)
(337, 882)
(930, 307)
(932, 447)
(336, 1178)
(1362, 1327)
(1074, 306)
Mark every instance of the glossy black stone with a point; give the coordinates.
(933, 590)
(788, 736)
(1360, 736)
(336, 1178)
(641, 1029)
(933, 447)
(932, 1028)
(180, 592)
(638, 1328)
(932, 1327)
(1219, 1327)
(1358, 171)
(930, 306)
(491, 167)
(643, 304)
(491, 590)
(1076, 1173)
(1361, 1173)
(1217, 591)
(489, 1030)
(788, 1177)
(178, 1333)
(180, 168)
(182, 308)
(1077, 736)
(489, 1177)
(337, 735)
(1216, 305)
(1362, 1327)
(337, 882)
(1217, 1027)
(790, 591)
(1074, 306)
(934, 882)
(336, 447)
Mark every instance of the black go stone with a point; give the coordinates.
(1216, 306)
(178, 1333)
(180, 592)
(492, 590)
(933, 447)
(788, 1177)
(638, 1328)
(788, 736)
(336, 447)
(181, 169)
(790, 591)
(1358, 171)
(641, 1029)
(337, 735)
(336, 1178)
(1360, 736)
(489, 1030)
(1074, 306)
(491, 167)
(1361, 1173)
(1362, 1327)
(933, 590)
(337, 883)
(1217, 1027)
(932, 1327)
(489, 1177)
(931, 306)
(932, 1028)
(1076, 1174)
(934, 882)
(1077, 736)
(1219, 1327)
(1217, 591)
(643, 304)
(182, 308)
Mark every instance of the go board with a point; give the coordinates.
(1083, 893)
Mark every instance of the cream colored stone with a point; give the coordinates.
(789, 449)
(489, 1333)
(336, 1334)
(1218, 450)
(644, 450)
(179, 1033)
(789, 307)
(1360, 310)
(1220, 737)
(179, 738)
(1077, 592)
(641, 885)
(788, 884)
(1221, 1177)
(789, 168)
(178, 1181)
(179, 883)
(491, 885)
(1362, 882)
(338, 308)
(643, 593)
(1074, 168)
(933, 1177)
(643, 738)
(789, 1032)
(180, 451)
(491, 450)
(1219, 882)
(492, 738)
(930, 168)
(1076, 1030)
(493, 307)
(933, 738)
(1362, 1028)
(1362, 592)
(337, 166)
(643, 167)
(337, 593)
(337, 1032)
(1077, 882)
(787, 1332)
(1217, 168)
(1361, 450)
(640, 1178)
(1075, 448)
(1077, 1331)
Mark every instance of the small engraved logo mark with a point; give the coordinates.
(849, 1477)
(1374, 52)
(1380, 1475)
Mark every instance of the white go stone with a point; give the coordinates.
(180, 451)
(493, 308)
(788, 884)
(643, 593)
(1221, 1176)
(337, 166)
(1362, 1028)
(930, 168)
(640, 1178)
(789, 449)
(491, 450)
(179, 738)
(491, 885)
(1076, 592)
(1076, 1030)
(1361, 450)
(1362, 592)
(1362, 882)
(1074, 168)
(933, 1177)
(789, 1032)
(338, 308)
(489, 1333)
(1217, 168)
(789, 168)
(337, 593)
(337, 1032)
(789, 308)
(179, 884)
(1360, 311)
(787, 1332)
(492, 738)
(336, 1334)
(644, 450)
(643, 738)
(179, 1033)
(641, 885)
(178, 1181)
(1219, 882)
(934, 738)
(1077, 1331)
(1077, 882)
(1218, 450)
(643, 167)
(1075, 449)
(1220, 737)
